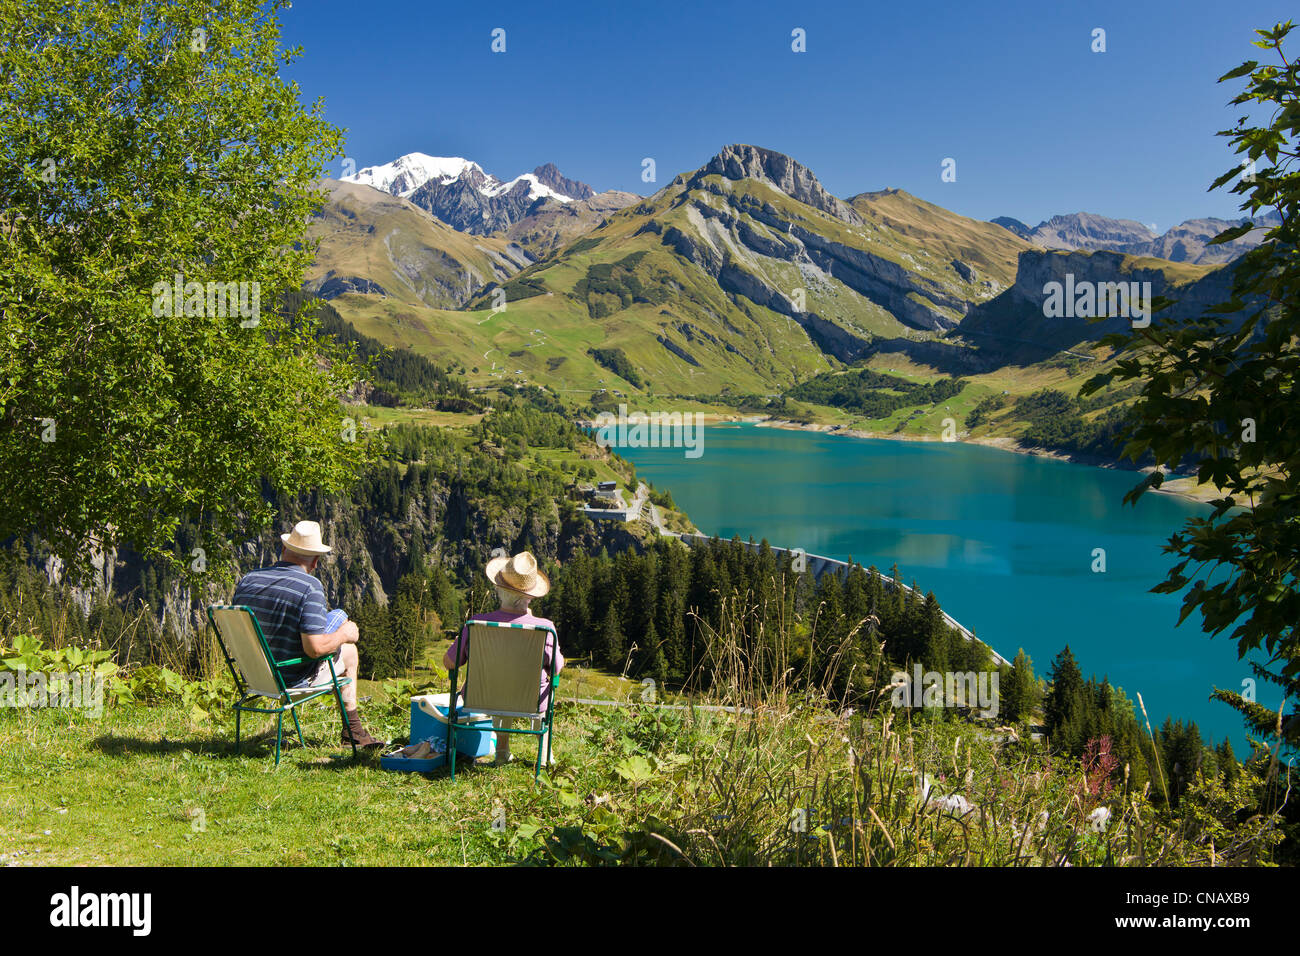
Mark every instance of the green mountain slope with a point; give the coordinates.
(979, 253)
(556, 224)
(745, 275)
(369, 238)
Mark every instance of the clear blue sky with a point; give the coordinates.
(1037, 122)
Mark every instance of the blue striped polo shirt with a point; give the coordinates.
(287, 602)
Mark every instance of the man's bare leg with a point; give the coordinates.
(349, 664)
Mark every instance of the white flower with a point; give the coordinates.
(1042, 820)
(956, 803)
(926, 786)
(1098, 819)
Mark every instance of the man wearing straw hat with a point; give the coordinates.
(517, 580)
(289, 604)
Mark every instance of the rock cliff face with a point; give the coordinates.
(1014, 322)
(372, 549)
(912, 297)
(104, 566)
(753, 230)
(797, 181)
(1013, 328)
(332, 286)
(1193, 292)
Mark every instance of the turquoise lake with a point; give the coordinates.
(1005, 541)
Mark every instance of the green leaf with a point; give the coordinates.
(527, 831)
(1235, 232)
(635, 769)
(1242, 70)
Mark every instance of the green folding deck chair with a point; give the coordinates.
(258, 674)
(504, 664)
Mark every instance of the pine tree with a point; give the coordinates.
(1062, 706)
(1018, 696)
(407, 624)
(670, 608)
(935, 629)
(1229, 769)
(613, 646)
(857, 604)
(378, 658)
(653, 664)
(876, 594)
(1181, 752)
(443, 598)
(828, 637)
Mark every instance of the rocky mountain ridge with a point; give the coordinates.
(1189, 241)
(744, 274)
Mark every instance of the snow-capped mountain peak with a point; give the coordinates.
(408, 173)
(459, 191)
(404, 175)
(536, 189)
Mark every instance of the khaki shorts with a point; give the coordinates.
(321, 678)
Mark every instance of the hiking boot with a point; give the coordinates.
(364, 739)
(355, 732)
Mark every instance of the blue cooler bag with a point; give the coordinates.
(429, 722)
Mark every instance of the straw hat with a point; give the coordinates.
(305, 539)
(519, 573)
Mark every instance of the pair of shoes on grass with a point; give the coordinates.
(417, 751)
(423, 749)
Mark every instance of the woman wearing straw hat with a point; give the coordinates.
(517, 580)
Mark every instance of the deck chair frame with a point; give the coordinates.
(546, 718)
(288, 699)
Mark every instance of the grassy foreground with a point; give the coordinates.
(788, 782)
(145, 786)
(148, 785)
